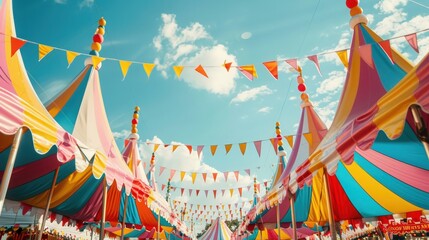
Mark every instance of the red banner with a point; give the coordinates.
(404, 228)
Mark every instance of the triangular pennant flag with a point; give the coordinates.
(231, 191)
(166, 145)
(249, 187)
(223, 192)
(15, 45)
(227, 65)
(258, 186)
(343, 57)
(162, 187)
(247, 171)
(289, 140)
(272, 68)
(258, 147)
(161, 170)
(228, 148)
(309, 138)
(365, 52)
(248, 71)
(155, 147)
(193, 176)
(214, 195)
(182, 175)
(385, 45)
(412, 40)
(181, 191)
(206, 192)
(293, 63)
(315, 60)
(172, 172)
(201, 70)
(148, 67)
(178, 70)
(174, 147)
(236, 173)
(274, 142)
(124, 67)
(211, 206)
(214, 176)
(190, 192)
(213, 149)
(204, 176)
(71, 56)
(144, 165)
(189, 148)
(44, 50)
(197, 191)
(96, 60)
(242, 147)
(225, 174)
(199, 149)
(265, 183)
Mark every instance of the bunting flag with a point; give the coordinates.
(412, 40)
(181, 191)
(242, 147)
(155, 147)
(365, 52)
(228, 148)
(182, 175)
(166, 145)
(289, 140)
(272, 68)
(214, 195)
(266, 183)
(172, 172)
(178, 70)
(315, 60)
(223, 192)
(214, 176)
(174, 147)
(213, 149)
(162, 187)
(148, 67)
(96, 60)
(125, 65)
(231, 191)
(274, 142)
(190, 192)
(225, 174)
(44, 50)
(236, 173)
(201, 71)
(293, 63)
(258, 186)
(197, 191)
(161, 169)
(71, 56)
(227, 65)
(204, 176)
(309, 138)
(189, 148)
(199, 149)
(193, 175)
(385, 45)
(206, 192)
(247, 171)
(15, 45)
(248, 71)
(258, 147)
(343, 57)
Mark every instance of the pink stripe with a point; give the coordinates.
(91, 207)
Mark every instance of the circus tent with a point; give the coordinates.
(217, 231)
(285, 233)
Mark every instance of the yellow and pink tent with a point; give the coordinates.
(217, 231)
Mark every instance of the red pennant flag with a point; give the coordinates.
(197, 191)
(225, 174)
(272, 68)
(161, 169)
(15, 45)
(265, 183)
(236, 173)
(293, 63)
(199, 149)
(227, 65)
(172, 172)
(214, 176)
(366, 54)
(412, 40)
(240, 191)
(201, 70)
(258, 147)
(189, 148)
(162, 187)
(204, 176)
(65, 220)
(274, 142)
(181, 191)
(385, 45)
(314, 59)
(166, 145)
(214, 194)
(25, 208)
(52, 216)
(247, 171)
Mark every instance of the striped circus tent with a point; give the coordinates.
(217, 231)
(268, 234)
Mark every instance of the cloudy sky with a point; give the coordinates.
(225, 108)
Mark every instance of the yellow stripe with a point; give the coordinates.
(318, 207)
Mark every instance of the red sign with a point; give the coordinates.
(404, 228)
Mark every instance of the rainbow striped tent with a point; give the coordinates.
(267, 234)
(217, 231)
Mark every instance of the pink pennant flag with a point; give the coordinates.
(161, 170)
(172, 172)
(248, 71)
(274, 142)
(181, 191)
(412, 40)
(385, 45)
(293, 63)
(204, 176)
(197, 191)
(190, 192)
(365, 52)
(225, 174)
(315, 60)
(206, 192)
(214, 176)
(236, 173)
(223, 192)
(265, 183)
(258, 147)
(162, 187)
(214, 194)
(199, 149)
(247, 171)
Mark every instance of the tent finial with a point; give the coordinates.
(134, 123)
(279, 137)
(97, 40)
(356, 13)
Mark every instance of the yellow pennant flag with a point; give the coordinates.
(44, 50)
(309, 138)
(125, 65)
(96, 60)
(174, 147)
(213, 149)
(193, 175)
(148, 67)
(290, 140)
(228, 148)
(242, 147)
(231, 191)
(343, 57)
(71, 56)
(178, 70)
(182, 175)
(155, 147)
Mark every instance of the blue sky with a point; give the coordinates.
(227, 107)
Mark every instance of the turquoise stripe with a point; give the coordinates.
(302, 205)
(135, 233)
(132, 215)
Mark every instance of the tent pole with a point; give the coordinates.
(48, 203)
(292, 209)
(9, 167)
(103, 211)
(332, 226)
(159, 224)
(92, 232)
(421, 127)
(123, 218)
(278, 220)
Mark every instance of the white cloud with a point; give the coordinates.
(121, 135)
(292, 98)
(390, 6)
(52, 89)
(60, 1)
(246, 35)
(265, 110)
(333, 83)
(251, 94)
(86, 3)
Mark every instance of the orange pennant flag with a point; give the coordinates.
(201, 70)
(174, 147)
(125, 65)
(290, 140)
(178, 70)
(155, 147)
(228, 148)
(204, 176)
(343, 57)
(272, 68)
(44, 50)
(309, 138)
(71, 56)
(242, 147)
(240, 190)
(248, 71)
(189, 148)
(182, 175)
(236, 173)
(148, 67)
(227, 65)
(213, 149)
(15, 45)
(214, 176)
(274, 142)
(193, 175)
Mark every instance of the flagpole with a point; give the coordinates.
(103, 210)
(159, 224)
(420, 127)
(278, 220)
(48, 203)
(332, 226)
(292, 209)
(124, 217)
(9, 167)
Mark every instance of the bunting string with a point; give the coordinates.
(249, 71)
